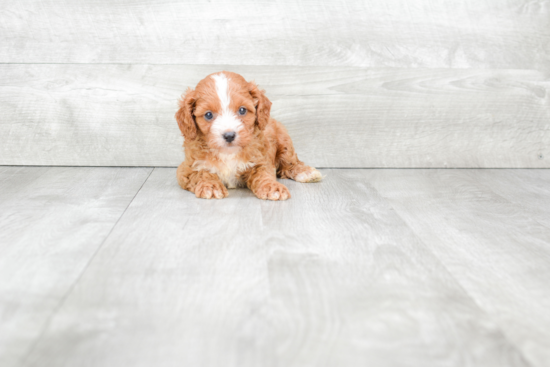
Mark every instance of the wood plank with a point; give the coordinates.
(332, 277)
(486, 228)
(122, 115)
(52, 220)
(528, 189)
(377, 33)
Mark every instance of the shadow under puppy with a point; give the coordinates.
(231, 141)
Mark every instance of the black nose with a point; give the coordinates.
(229, 136)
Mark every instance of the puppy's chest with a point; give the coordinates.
(228, 168)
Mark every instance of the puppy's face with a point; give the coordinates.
(223, 110)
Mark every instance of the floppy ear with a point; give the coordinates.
(184, 116)
(263, 105)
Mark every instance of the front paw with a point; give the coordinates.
(210, 190)
(272, 191)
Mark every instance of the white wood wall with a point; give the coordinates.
(379, 83)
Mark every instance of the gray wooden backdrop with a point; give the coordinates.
(377, 83)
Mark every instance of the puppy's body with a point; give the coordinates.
(231, 141)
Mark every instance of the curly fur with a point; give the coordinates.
(261, 151)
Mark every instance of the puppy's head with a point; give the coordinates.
(224, 109)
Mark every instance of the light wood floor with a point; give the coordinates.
(120, 267)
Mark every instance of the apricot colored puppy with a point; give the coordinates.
(231, 141)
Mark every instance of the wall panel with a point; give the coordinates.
(122, 115)
(512, 34)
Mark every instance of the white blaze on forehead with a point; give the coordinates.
(227, 119)
(222, 89)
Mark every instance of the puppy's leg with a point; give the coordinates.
(204, 184)
(263, 183)
(288, 164)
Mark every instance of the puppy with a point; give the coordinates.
(231, 141)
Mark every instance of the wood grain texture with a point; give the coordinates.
(52, 220)
(377, 33)
(491, 229)
(122, 115)
(332, 277)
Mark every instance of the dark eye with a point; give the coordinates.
(242, 111)
(208, 116)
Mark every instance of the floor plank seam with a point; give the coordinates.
(70, 290)
(459, 284)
